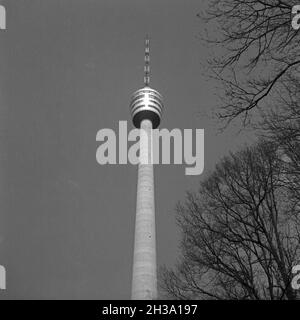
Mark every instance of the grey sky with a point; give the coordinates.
(67, 69)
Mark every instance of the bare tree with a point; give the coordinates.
(260, 49)
(282, 126)
(241, 232)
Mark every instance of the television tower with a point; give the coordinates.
(146, 110)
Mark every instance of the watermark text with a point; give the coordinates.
(188, 147)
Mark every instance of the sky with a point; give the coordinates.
(67, 70)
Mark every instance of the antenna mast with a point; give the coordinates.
(147, 62)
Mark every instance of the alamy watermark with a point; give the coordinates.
(296, 17)
(296, 279)
(2, 18)
(158, 140)
(2, 278)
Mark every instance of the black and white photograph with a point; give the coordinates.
(149, 151)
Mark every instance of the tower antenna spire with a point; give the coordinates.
(147, 62)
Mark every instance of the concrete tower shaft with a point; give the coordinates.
(144, 282)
